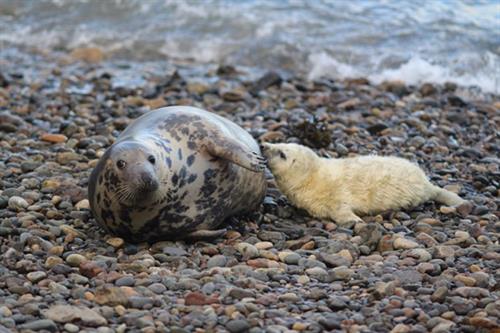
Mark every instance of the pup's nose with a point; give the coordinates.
(265, 146)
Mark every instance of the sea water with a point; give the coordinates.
(415, 41)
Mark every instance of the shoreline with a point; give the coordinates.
(95, 56)
(428, 269)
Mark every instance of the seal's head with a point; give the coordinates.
(132, 171)
(289, 160)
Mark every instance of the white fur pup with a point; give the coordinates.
(339, 189)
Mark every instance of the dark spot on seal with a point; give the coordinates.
(190, 160)
(209, 173)
(100, 179)
(110, 178)
(182, 180)
(179, 153)
(162, 143)
(98, 197)
(107, 215)
(107, 202)
(209, 186)
(175, 179)
(192, 145)
(192, 178)
(124, 214)
(183, 172)
(169, 162)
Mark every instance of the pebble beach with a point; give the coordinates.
(431, 269)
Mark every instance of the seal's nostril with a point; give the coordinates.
(147, 178)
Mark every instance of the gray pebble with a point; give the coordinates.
(157, 288)
(237, 326)
(126, 281)
(18, 203)
(41, 324)
(217, 261)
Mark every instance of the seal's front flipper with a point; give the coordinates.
(236, 153)
(206, 234)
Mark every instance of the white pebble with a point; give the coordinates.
(18, 203)
(404, 244)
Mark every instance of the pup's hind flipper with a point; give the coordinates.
(448, 198)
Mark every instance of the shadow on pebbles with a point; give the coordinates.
(433, 269)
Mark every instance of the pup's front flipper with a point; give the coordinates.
(344, 216)
(206, 234)
(235, 152)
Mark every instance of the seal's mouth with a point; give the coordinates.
(266, 149)
(148, 184)
(148, 187)
(271, 153)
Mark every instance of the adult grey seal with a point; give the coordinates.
(174, 173)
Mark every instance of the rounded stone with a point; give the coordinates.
(290, 258)
(36, 276)
(157, 288)
(75, 259)
(217, 261)
(247, 250)
(17, 203)
(237, 326)
(401, 243)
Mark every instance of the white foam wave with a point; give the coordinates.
(415, 71)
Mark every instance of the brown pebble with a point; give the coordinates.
(54, 138)
(197, 298)
(308, 246)
(232, 234)
(90, 269)
(116, 242)
(464, 209)
(89, 296)
(483, 323)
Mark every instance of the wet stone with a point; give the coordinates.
(174, 251)
(125, 281)
(75, 259)
(39, 325)
(36, 276)
(17, 203)
(157, 288)
(290, 258)
(217, 261)
(237, 326)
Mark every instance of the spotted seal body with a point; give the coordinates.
(174, 173)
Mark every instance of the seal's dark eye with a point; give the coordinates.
(151, 159)
(282, 155)
(121, 164)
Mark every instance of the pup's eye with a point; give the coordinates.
(121, 164)
(151, 159)
(282, 155)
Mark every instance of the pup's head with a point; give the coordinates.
(288, 160)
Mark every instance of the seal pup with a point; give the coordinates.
(339, 189)
(176, 172)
